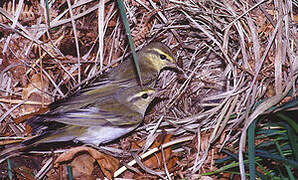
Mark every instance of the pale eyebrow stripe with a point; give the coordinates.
(138, 95)
(162, 52)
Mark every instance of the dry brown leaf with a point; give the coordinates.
(36, 85)
(24, 172)
(62, 174)
(82, 165)
(295, 18)
(108, 164)
(155, 161)
(34, 91)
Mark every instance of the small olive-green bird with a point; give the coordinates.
(109, 117)
(152, 59)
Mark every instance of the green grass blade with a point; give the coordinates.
(251, 150)
(289, 120)
(291, 176)
(10, 175)
(69, 171)
(268, 155)
(128, 33)
(293, 141)
(48, 13)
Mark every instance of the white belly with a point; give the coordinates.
(101, 135)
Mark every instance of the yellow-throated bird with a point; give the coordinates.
(106, 119)
(152, 59)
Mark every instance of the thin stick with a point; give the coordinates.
(143, 156)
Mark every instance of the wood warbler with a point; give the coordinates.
(107, 118)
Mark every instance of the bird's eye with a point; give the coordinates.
(145, 96)
(163, 57)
